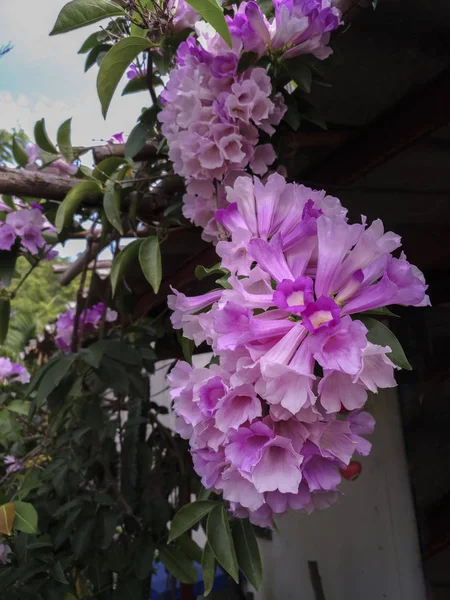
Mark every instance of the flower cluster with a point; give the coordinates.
(25, 227)
(89, 320)
(11, 372)
(281, 413)
(213, 117)
(298, 27)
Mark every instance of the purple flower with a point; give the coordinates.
(117, 138)
(12, 372)
(13, 464)
(7, 236)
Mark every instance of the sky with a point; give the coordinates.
(44, 76)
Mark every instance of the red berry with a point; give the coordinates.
(353, 470)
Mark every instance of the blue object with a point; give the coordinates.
(162, 583)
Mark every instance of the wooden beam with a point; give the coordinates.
(412, 119)
(36, 184)
(118, 150)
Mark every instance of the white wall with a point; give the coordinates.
(366, 545)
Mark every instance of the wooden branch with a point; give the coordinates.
(79, 264)
(36, 184)
(118, 150)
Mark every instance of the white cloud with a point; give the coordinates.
(44, 77)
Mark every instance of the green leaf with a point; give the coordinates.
(141, 132)
(247, 60)
(138, 84)
(121, 352)
(111, 204)
(93, 40)
(26, 518)
(58, 573)
(19, 152)
(188, 516)
(247, 552)
(177, 563)
(300, 73)
(201, 272)
(8, 259)
(381, 335)
(107, 167)
(122, 261)
(53, 377)
(42, 139)
(219, 538)
(96, 55)
(63, 138)
(150, 261)
(5, 310)
(92, 355)
(39, 374)
(66, 210)
(187, 348)
(7, 514)
(143, 562)
(189, 547)
(208, 568)
(383, 311)
(19, 407)
(203, 493)
(114, 66)
(80, 13)
(292, 115)
(82, 537)
(212, 12)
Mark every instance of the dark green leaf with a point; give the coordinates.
(8, 259)
(300, 72)
(79, 13)
(123, 261)
(121, 352)
(96, 55)
(82, 537)
(292, 115)
(58, 573)
(111, 205)
(383, 311)
(26, 518)
(110, 520)
(39, 374)
(247, 552)
(187, 347)
(138, 84)
(150, 261)
(19, 152)
(86, 190)
(93, 40)
(63, 138)
(188, 516)
(143, 563)
(219, 537)
(52, 377)
(107, 167)
(5, 310)
(208, 568)
(92, 355)
(20, 407)
(114, 66)
(42, 139)
(201, 272)
(177, 563)
(137, 139)
(203, 493)
(247, 60)
(212, 12)
(381, 335)
(189, 547)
